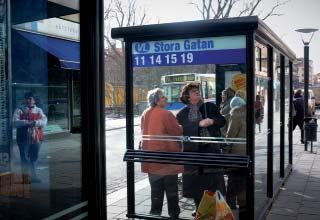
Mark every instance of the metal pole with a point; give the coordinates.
(306, 89)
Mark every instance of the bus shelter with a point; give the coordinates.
(238, 56)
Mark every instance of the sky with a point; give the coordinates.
(296, 14)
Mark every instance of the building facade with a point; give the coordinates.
(298, 78)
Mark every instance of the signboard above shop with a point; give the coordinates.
(191, 51)
(55, 27)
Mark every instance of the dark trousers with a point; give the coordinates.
(236, 190)
(164, 184)
(29, 157)
(299, 122)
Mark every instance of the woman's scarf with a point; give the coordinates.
(194, 113)
(194, 116)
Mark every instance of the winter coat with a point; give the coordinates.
(159, 121)
(209, 110)
(238, 128)
(258, 112)
(225, 112)
(298, 104)
(191, 173)
(22, 116)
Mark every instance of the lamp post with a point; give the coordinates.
(306, 36)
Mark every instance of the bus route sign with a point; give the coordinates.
(193, 51)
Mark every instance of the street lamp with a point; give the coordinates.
(306, 36)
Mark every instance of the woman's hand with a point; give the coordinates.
(206, 122)
(31, 123)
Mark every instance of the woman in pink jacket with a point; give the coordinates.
(163, 178)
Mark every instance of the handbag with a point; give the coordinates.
(35, 135)
(213, 207)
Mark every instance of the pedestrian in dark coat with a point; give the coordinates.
(204, 120)
(298, 104)
(258, 112)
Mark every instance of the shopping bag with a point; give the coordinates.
(213, 207)
(207, 206)
(223, 211)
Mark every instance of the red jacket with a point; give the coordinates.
(159, 121)
(22, 116)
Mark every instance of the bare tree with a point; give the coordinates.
(215, 9)
(121, 13)
(118, 13)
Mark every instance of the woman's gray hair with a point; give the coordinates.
(154, 96)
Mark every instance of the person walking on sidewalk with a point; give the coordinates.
(298, 104)
(29, 121)
(163, 178)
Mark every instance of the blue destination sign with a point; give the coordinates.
(195, 51)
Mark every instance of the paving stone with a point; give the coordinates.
(292, 192)
(288, 204)
(310, 204)
(121, 203)
(273, 216)
(314, 184)
(284, 211)
(307, 217)
(116, 209)
(122, 216)
(314, 179)
(312, 196)
(311, 189)
(112, 215)
(310, 210)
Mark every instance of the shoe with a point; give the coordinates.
(302, 141)
(35, 180)
(194, 213)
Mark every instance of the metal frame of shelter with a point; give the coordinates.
(254, 30)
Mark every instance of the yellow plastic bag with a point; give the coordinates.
(213, 207)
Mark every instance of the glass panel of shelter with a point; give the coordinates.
(261, 124)
(179, 87)
(286, 114)
(276, 119)
(42, 174)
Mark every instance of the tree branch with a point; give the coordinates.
(271, 12)
(198, 9)
(230, 6)
(254, 5)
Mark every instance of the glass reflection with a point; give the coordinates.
(42, 172)
(261, 125)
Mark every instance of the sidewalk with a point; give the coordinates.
(299, 198)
